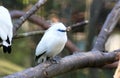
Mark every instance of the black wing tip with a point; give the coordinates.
(7, 49)
(36, 60)
(8, 41)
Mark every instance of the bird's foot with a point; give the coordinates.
(55, 60)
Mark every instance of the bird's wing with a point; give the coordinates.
(41, 47)
(55, 45)
(3, 34)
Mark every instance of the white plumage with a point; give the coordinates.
(6, 29)
(52, 42)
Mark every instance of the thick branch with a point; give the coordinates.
(68, 63)
(108, 27)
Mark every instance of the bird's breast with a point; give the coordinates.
(56, 45)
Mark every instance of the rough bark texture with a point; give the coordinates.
(94, 58)
(68, 63)
(22, 35)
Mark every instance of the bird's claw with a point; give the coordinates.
(55, 60)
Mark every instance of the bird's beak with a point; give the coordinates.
(68, 28)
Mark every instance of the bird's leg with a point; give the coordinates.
(55, 60)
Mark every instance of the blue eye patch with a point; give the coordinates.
(61, 30)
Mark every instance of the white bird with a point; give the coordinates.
(6, 29)
(52, 43)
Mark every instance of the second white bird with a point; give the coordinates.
(6, 29)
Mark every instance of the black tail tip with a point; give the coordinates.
(35, 61)
(7, 49)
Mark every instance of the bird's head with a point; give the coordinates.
(58, 27)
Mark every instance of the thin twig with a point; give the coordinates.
(71, 27)
(22, 35)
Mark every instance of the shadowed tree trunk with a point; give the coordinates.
(96, 8)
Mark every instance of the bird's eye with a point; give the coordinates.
(61, 30)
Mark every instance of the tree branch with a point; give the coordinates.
(108, 27)
(22, 35)
(33, 18)
(68, 63)
(28, 14)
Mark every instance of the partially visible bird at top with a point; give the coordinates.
(52, 42)
(6, 29)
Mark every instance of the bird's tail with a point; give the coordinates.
(6, 47)
(39, 60)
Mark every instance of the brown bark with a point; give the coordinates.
(68, 63)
